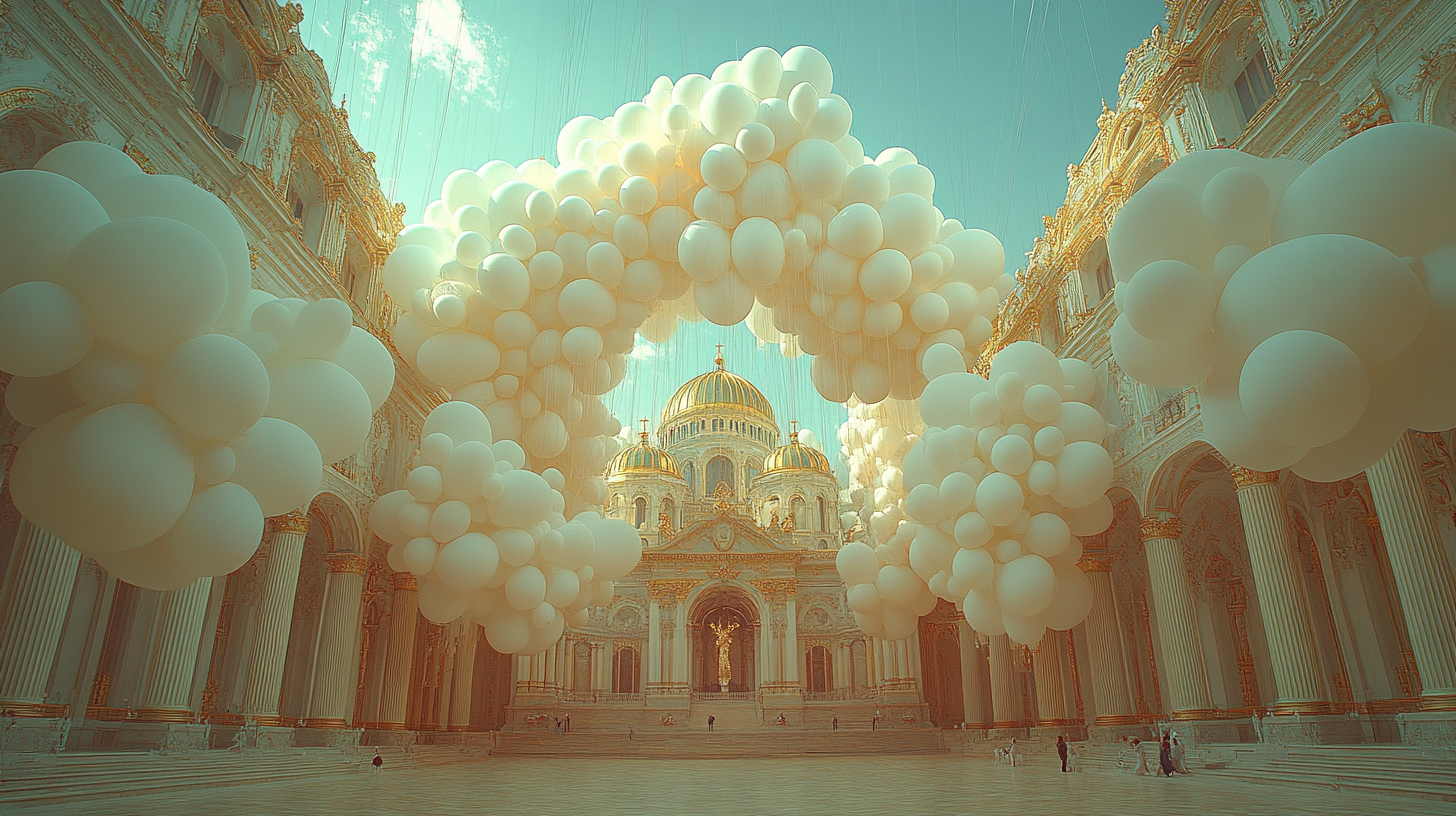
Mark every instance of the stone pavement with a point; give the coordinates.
(899, 785)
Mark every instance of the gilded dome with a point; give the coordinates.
(644, 458)
(794, 456)
(717, 389)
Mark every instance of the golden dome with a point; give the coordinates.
(717, 389)
(644, 458)
(794, 456)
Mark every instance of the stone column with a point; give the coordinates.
(1111, 697)
(167, 692)
(973, 684)
(461, 691)
(680, 645)
(1046, 663)
(653, 658)
(400, 658)
(792, 658)
(1283, 604)
(268, 649)
(336, 662)
(1189, 698)
(33, 616)
(1006, 709)
(1420, 567)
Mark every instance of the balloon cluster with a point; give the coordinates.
(1008, 473)
(1315, 304)
(873, 442)
(524, 288)
(173, 408)
(488, 539)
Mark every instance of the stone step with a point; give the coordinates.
(1371, 784)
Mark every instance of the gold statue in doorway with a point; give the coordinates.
(725, 639)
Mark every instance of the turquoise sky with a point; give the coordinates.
(996, 98)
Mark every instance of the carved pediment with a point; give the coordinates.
(728, 532)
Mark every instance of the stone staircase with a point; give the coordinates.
(1393, 769)
(729, 715)
(34, 779)
(697, 743)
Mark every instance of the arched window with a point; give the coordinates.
(640, 514)
(797, 508)
(750, 471)
(1254, 85)
(690, 474)
(719, 471)
(818, 670)
(823, 516)
(625, 665)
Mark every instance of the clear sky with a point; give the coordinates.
(996, 97)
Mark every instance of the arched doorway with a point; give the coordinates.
(727, 608)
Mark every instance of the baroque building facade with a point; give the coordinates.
(1226, 598)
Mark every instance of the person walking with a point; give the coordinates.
(1165, 758)
(836, 722)
(711, 720)
(1062, 751)
(1180, 755)
(377, 762)
(1013, 752)
(1141, 769)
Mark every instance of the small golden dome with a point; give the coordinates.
(717, 389)
(644, 458)
(795, 456)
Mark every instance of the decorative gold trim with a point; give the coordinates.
(1096, 561)
(295, 521)
(1196, 714)
(1439, 702)
(1117, 719)
(775, 588)
(676, 591)
(1311, 708)
(325, 722)
(350, 563)
(1247, 477)
(165, 715)
(406, 581)
(1008, 724)
(1153, 527)
(40, 710)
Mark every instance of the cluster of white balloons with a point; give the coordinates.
(488, 539)
(173, 408)
(1315, 304)
(525, 285)
(873, 442)
(1007, 474)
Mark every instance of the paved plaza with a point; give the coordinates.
(845, 785)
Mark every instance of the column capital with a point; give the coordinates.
(670, 592)
(1165, 525)
(1247, 477)
(776, 589)
(405, 581)
(346, 562)
(1096, 561)
(295, 521)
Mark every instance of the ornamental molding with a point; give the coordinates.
(1247, 477)
(405, 582)
(295, 521)
(1155, 528)
(776, 588)
(347, 563)
(670, 591)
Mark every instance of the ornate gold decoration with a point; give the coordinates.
(1153, 527)
(350, 563)
(295, 521)
(776, 588)
(670, 591)
(405, 581)
(1245, 477)
(664, 526)
(1370, 112)
(723, 572)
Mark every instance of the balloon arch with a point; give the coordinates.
(739, 197)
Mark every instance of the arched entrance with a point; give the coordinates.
(727, 608)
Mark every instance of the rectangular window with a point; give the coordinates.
(1254, 86)
(206, 87)
(1104, 279)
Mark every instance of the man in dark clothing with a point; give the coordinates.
(1062, 751)
(1165, 758)
(836, 722)
(711, 720)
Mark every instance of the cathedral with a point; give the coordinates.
(1290, 631)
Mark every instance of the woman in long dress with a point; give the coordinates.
(1165, 758)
